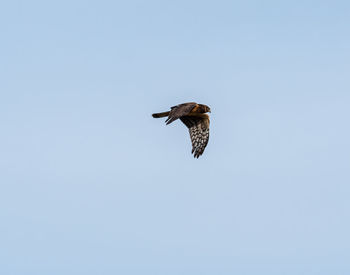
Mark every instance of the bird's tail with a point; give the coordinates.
(158, 115)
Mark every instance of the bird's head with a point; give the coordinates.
(207, 109)
(203, 109)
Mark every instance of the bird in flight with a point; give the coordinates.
(194, 116)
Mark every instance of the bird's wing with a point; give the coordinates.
(199, 132)
(180, 111)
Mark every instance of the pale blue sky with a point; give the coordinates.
(90, 183)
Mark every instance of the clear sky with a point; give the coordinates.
(90, 183)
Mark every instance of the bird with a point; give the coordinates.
(194, 116)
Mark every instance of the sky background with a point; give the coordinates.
(90, 183)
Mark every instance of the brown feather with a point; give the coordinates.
(158, 115)
(179, 111)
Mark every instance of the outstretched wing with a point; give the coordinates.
(199, 132)
(180, 111)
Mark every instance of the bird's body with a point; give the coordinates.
(194, 116)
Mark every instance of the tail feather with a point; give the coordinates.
(158, 115)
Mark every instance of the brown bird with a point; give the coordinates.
(194, 116)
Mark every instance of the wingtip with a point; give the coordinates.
(169, 120)
(196, 154)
